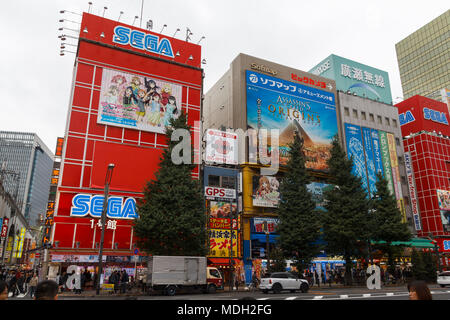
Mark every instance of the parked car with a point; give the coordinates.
(278, 281)
(443, 278)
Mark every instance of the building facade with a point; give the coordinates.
(260, 100)
(423, 59)
(127, 83)
(26, 159)
(426, 140)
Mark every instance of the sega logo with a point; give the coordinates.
(435, 116)
(140, 40)
(406, 117)
(84, 204)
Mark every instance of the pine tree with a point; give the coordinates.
(387, 220)
(299, 224)
(172, 218)
(345, 225)
(418, 269)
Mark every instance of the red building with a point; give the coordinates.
(426, 139)
(116, 117)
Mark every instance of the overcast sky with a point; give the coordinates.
(35, 80)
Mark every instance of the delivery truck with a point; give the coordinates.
(169, 274)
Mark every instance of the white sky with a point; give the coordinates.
(35, 80)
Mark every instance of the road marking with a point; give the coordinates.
(366, 295)
(291, 298)
(389, 294)
(318, 297)
(263, 298)
(343, 296)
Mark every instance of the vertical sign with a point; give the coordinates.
(59, 147)
(386, 161)
(355, 148)
(412, 191)
(370, 164)
(4, 232)
(20, 244)
(396, 174)
(48, 222)
(378, 161)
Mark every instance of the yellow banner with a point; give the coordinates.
(220, 243)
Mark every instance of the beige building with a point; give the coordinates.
(424, 59)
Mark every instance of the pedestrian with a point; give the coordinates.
(46, 290)
(63, 282)
(236, 282)
(12, 283)
(316, 277)
(124, 281)
(33, 284)
(3, 290)
(418, 290)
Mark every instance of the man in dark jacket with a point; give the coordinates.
(123, 281)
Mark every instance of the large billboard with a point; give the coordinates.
(355, 149)
(444, 207)
(221, 147)
(132, 101)
(316, 189)
(358, 78)
(370, 161)
(385, 156)
(273, 103)
(265, 191)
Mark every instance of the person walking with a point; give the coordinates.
(33, 284)
(123, 281)
(3, 290)
(316, 278)
(418, 290)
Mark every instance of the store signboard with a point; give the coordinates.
(386, 161)
(258, 225)
(412, 191)
(220, 243)
(396, 174)
(216, 193)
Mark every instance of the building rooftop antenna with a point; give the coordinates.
(121, 13)
(90, 4)
(188, 33)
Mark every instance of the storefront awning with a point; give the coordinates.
(222, 261)
(261, 237)
(415, 242)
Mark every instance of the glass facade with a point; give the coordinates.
(26, 165)
(424, 59)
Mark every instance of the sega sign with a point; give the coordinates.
(85, 204)
(406, 118)
(436, 116)
(141, 40)
(216, 192)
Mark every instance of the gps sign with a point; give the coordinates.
(213, 193)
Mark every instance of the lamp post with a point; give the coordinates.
(108, 177)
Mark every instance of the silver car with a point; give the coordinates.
(279, 281)
(443, 278)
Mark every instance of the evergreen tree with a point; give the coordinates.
(277, 261)
(386, 219)
(429, 261)
(418, 269)
(299, 224)
(172, 218)
(345, 222)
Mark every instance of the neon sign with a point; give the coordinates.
(85, 204)
(143, 41)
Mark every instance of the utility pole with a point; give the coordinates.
(103, 222)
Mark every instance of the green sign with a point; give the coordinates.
(356, 78)
(384, 146)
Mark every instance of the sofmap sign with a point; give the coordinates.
(144, 41)
(118, 208)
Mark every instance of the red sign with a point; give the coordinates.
(59, 147)
(4, 227)
(222, 223)
(215, 192)
(306, 80)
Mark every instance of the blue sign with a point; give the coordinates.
(143, 41)
(435, 116)
(377, 158)
(355, 148)
(406, 117)
(370, 164)
(85, 204)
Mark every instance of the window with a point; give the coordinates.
(346, 112)
(214, 181)
(388, 122)
(363, 115)
(397, 141)
(228, 182)
(394, 123)
(371, 117)
(355, 113)
(379, 120)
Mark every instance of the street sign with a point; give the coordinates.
(136, 251)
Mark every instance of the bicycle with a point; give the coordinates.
(253, 286)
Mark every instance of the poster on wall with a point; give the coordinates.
(377, 159)
(444, 207)
(137, 102)
(273, 103)
(386, 158)
(221, 209)
(355, 149)
(221, 147)
(265, 191)
(412, 191)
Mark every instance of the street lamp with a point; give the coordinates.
(108, 178)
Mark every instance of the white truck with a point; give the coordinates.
(171, 273)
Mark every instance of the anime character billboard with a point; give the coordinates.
(273, 103)
(137, 102)
(265, 191)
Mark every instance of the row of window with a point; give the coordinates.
(363, 116)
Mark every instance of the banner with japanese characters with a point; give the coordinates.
(370, 163)
(220, 243)
(289, 107)
(355, 149)
(265, 191)
(137, 102)
(412, 191)
(385, 156)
